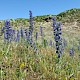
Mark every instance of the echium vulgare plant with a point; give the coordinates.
(31, 22)
(21, 31)
(8, 33)
(50, 43)
(41, 33)
(36, 36)
(18, 36)
(71, 51)
(30, 27)
(57, 37)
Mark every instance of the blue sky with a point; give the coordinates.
(20, 8)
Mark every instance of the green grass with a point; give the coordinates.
(17, 62)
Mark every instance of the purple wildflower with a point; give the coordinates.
(71, 52)
(50, 43)
(57, 36)
(30, 40)
(18, 36)
(21, 32)
(8, 34)
(36, 36)
(41, 31)
(31, 22)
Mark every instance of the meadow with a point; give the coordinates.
(41, 51)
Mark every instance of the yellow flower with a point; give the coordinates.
(22, 65)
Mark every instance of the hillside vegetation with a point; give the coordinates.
(68, 15)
